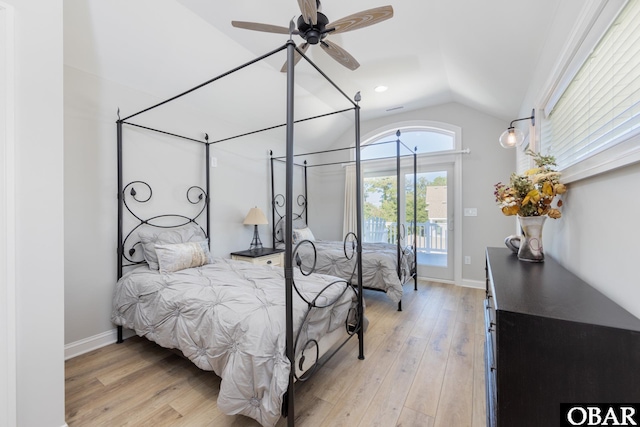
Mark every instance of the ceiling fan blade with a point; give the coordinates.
(309, 9)
(361, 19)
(296, 56)
(267, 28)
(339, 54)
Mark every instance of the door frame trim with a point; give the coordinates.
(8, 322)
(455, 157)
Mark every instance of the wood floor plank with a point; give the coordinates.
(148, 405)
(164, 416)
(363, 387)
(452, 298)
(423, 367)
(424, 325)
(109, 357)
(139, 386)
(480, 296)
(138, 361)
(78, 389)
(309, 413)
(479, 392)
(388, 402)
(424, 394)
(467, 306)
(411, 418)
(456, 399)
(203, 391)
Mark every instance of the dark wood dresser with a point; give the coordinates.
(552, 339)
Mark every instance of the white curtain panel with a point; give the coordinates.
(350, 214)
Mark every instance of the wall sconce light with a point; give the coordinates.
(513, 137)
(255, 217)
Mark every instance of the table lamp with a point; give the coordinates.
(255, 217)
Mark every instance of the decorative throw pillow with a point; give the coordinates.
(151, 236)
(302, 234)
(178, 256)
(297, 223)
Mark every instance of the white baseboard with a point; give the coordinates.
(92, 343)
(476, 284)
(466, 283)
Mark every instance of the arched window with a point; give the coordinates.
(424, 139)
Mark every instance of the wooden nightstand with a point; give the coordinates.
(264, 256)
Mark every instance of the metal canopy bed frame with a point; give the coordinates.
(302, 201)
(196, 195)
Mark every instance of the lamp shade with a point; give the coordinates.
(511, 137)
(255, 217)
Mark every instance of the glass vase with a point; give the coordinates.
(531, 249)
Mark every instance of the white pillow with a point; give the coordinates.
(151, 236)
(297, 223)
(178, 256)
(301, 234)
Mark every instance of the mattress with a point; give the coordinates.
(229, 317)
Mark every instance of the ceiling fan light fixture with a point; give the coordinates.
(313, 34)
(314, 27)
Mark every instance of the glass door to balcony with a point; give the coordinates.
(434, 227)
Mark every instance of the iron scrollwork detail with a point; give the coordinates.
(141, 192)
(278, 202)
(352, 324)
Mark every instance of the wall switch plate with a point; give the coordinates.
(467, 260)
(213, 162)
(470, 211)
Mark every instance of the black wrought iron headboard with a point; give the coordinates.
(195, 195)
(278, 203)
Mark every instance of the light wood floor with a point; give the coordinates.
(423, 367)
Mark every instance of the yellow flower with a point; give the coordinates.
(510, 210)
(532, 193)
(554, 213)
(532, 171)
(532, 196)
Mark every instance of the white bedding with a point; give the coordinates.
(229, 317)
(379, 264)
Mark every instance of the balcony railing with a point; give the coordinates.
(431, 235)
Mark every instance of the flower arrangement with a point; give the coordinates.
(532, 193)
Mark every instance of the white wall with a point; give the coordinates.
(597, 237)
(326, 202)
(39, 251)
(487, 164)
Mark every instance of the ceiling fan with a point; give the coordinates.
(314, 26)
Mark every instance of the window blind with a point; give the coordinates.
(523, 161)
(601, 106)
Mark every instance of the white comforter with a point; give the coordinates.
(379, 264)
(229, 317)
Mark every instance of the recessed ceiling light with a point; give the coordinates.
(381, 88)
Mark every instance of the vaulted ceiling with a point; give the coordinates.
(479, 54)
